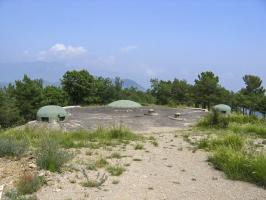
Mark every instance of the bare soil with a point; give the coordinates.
(170, 171)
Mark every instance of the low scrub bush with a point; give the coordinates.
(215, 120)
(9, 146)
(50, 156)
(29, 183)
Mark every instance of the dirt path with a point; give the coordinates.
(170, 171)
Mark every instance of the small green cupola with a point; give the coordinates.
(51, 113)
(222, 108)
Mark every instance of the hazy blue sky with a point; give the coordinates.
(136, 39)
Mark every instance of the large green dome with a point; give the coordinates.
(124, 104)
(51, 113)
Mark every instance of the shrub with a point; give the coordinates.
(50, 157)
(215, 120)
(29, 183)
(9, 146)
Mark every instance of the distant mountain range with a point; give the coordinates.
(127, 83)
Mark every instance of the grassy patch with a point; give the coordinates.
(238, 165)
(75, 139)
(232, 154)
(233, 141)
(50, 156)
(115, 170)
(237, 123)
(258, 128)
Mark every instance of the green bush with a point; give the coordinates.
(50, 157)
(215, 120)
(9, 146)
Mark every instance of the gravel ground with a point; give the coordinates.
(167, 172)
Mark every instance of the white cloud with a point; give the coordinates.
(128, 48)
(61, 51)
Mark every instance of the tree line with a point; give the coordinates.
(20, 101)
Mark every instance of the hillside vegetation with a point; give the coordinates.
(238, 148)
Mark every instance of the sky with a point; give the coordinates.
(139, 40)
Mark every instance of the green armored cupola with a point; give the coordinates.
(51, 113)
(222, 108)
